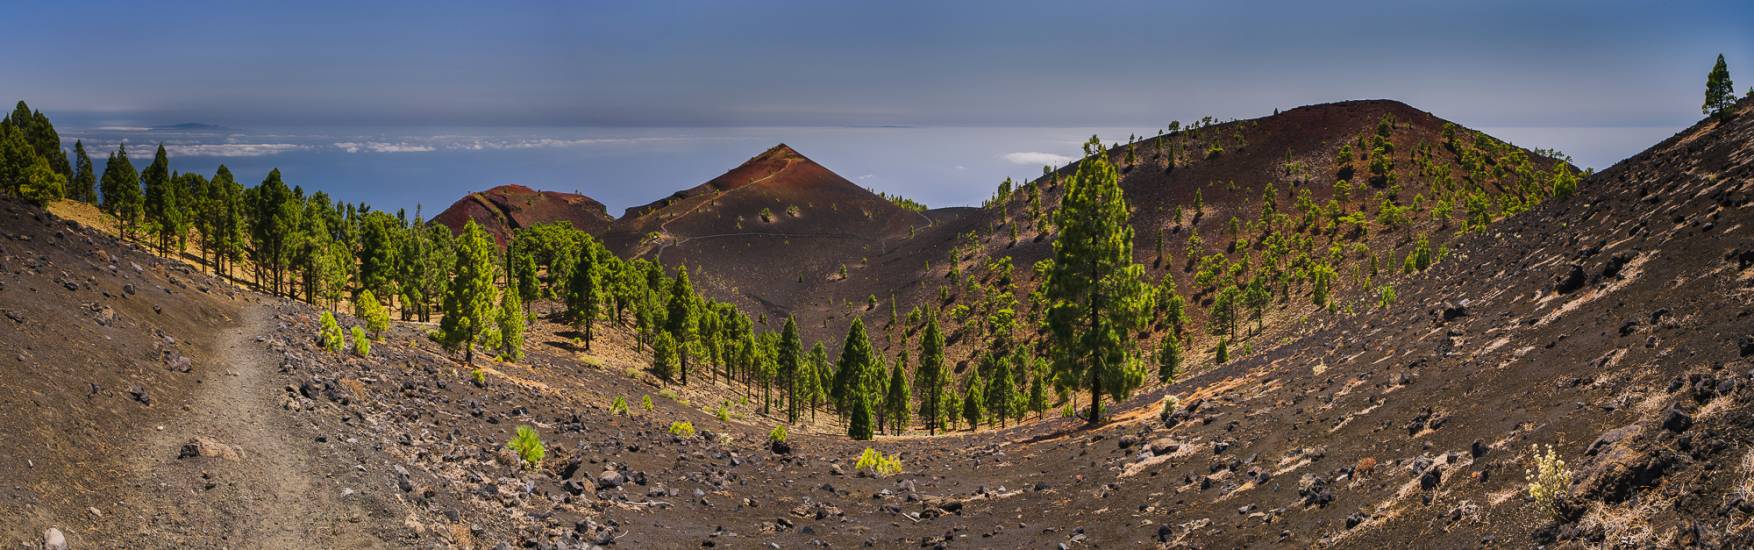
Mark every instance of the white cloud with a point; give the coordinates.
(382, 147)
(1037, 159)
(224, 149)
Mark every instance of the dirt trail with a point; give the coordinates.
(275, 495)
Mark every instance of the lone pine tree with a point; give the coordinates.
(1720, 92)
(1095, 292)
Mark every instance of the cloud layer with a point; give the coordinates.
(1037, 159)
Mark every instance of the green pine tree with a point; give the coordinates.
(852, 376)
(859, 426)
(934, 381)
(584, 293)
(898, 397)
(682, 319)
(664, 356)
(1096, 296)
(792, 370)
(121, 191)
(1169, 359)
(164, 216)
(511, 325)
(973, 402)
(83, 188)
(1038, 397)
(468, 304)
(1720, 92)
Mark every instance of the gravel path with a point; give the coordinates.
(269, 495)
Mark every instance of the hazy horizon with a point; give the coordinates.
(404, 167)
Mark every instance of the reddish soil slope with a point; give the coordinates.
(768, 233)
(504, 209)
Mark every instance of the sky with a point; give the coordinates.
(784, 64)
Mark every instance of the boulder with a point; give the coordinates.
(204, 447)
(54, 540)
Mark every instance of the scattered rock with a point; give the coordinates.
(1573, 279)
(610, 479)
(139, 394)
(1677, 421)
(54, 540)
(205, 447)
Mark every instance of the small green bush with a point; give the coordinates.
(329, 333)
(723, 412)
(1171, 404)
(362, 346)
(618, 407)
(645, 402)
(667, 393)
(479, 376)
(778, 435)
(682, 428)
(877, 463)
(528, 445)
(375, 315)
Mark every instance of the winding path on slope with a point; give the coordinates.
(275, 495)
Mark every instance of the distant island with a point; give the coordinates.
(192, 127)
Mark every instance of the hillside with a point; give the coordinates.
(769, 233)
(507, 208)
(1312, 221)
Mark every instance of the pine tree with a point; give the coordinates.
(511, 325)
(1169, 359)
(683, 319)
(853, 378)
(1038, 397)
(376, 318)
(973, 402)
(164, 216)
(664, 356)
(83, 188)
(859, 426)
(1001, 390)
(1720, 92)
(1226, 307)
(468, 305)
(584, 293)
(822, 373)
(121, 189)
(24, 172)
(1095, 292)
(791, 366)
(899, 396)
(934, 382)
(274, 221)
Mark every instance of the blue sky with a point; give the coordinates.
(770, 63)
(391, 102)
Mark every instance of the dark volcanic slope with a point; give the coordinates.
(502, 209)
(1616, 325)
(1294, 151)
(767, 234)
